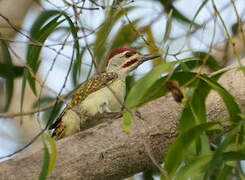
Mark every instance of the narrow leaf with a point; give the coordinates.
(234, 156)
(178, 149)
(168, 27)
(142, 86)
(23, 87)
(17, 70)
(179, 16)
(74, 34)
(152, 48)
(34, 51)
(43, 101)
(10, 90)
(217, 159)
(127, 121)
(226, 173)
(198, 11)
(76, 71)
(104, 32)
(53, 154)
(193, 168)
(228, 99)
(46, 160)
(158, 89)
(138, 90)
(10, 70)
(211, 62)
(41, 20)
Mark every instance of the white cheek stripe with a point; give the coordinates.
(131, 58)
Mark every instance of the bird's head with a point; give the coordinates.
(125, 60)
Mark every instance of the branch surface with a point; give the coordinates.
(106, 152)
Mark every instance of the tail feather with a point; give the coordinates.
(57, 121)
(57, 126)
(59, 131)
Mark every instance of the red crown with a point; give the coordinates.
(118, 51)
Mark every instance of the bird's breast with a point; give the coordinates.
(111, 96)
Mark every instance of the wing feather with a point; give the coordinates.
(95, 83)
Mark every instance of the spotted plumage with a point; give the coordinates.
(90, 86)
(102, 94)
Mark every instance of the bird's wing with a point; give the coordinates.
(95, 83)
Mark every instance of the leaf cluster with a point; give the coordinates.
(203, 149)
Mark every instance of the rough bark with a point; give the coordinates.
(106, 152)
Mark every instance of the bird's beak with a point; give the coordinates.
(146, 57)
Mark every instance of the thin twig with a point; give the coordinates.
(52, 113)
(239, 22)
(229, 36)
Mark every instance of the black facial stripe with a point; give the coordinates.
(129, 54)
(129, 63)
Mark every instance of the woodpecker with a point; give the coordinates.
(103, 93)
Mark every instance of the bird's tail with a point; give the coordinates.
(58, 127)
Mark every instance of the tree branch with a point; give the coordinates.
(107, 152)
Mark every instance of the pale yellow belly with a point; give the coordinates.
(108, 99)
(113, 97)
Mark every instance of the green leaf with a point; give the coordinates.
(130, 81)
(40, 31)
(211, 62)
(50, 113)
(125, 35)
(168, 27)
(23, 87)
(76, 71)
(104, 32)
(37, 30)
(180, 17)
(178, 149)
(198, 11)
(197, 103)
(53, 154)
(10, 73)
(34, 51)
(226, 173)
(43, 101)
(228, 99)
(46, 161)
(234, 156)
(41, 20)
(17, 70)
(139, 89)
(127, 121)
(218, 159)
(241, 68)
(195, 111)
(152, 47)
(75, 37)
(10, 90)
(158, 89)
(168, 5)
(193, 168)
(149, 174)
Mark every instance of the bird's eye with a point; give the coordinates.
(129, 54)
